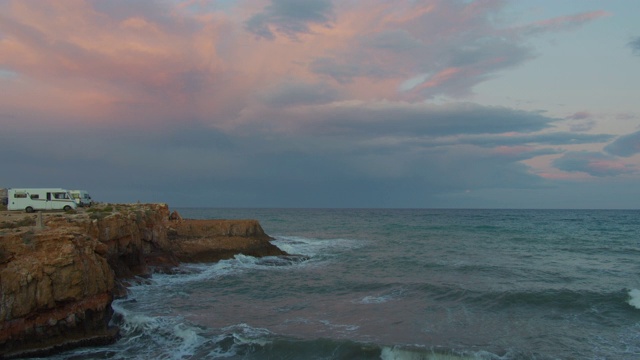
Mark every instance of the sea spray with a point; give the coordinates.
(399, 353)
(634, 298)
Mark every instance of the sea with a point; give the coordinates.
(398, 284)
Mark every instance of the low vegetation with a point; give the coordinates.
(25, 221)
(99, 211)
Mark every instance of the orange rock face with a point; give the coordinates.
(213, 240)
(57, 281)
(54, 285)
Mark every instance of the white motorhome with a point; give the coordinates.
(81, 197)
(31, 200)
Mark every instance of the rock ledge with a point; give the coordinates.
(59, 272)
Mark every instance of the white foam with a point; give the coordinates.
(173, 338)
(244, 334)
(339, 327)
(189, 273)
(634, 298)
(396, 353)
(375, 299)
(313, 247)
(381, 298)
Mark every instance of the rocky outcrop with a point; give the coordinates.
(213, 240)
(56, 289)
(57, 281)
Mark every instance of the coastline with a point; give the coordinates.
(59, 272)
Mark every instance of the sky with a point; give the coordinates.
(324, 103)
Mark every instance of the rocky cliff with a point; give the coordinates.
(60, 272)
(213, 240)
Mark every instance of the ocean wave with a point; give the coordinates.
(634, 298)
(244, 334)
(382, 297)
(314, 247)
(158, 337)
(580, 300)
(194, 273)
(420, 353)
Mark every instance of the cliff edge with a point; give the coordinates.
(59, 272)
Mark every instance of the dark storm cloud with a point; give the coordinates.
(627, 145)
(395, 118)
(289, 17)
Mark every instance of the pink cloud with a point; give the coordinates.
(441, 77)
(84, 64)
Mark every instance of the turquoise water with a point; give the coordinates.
(400, 284)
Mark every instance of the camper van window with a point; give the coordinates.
(60, 195)
(20, 195)
(35, 196)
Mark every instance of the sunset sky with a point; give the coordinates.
(321, 103)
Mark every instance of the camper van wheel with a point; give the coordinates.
(29, 209)
(67, 208)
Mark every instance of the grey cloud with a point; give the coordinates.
(490, 52)
(477, 59)
(291, 93)
(201, 166)
(627, 145)
(322, 176)
(388, 118)
(438, 170)
(563, 23)
(464, 53)
(580, 115)
(392, 39)
(635, 45)
(556, 138)
(289, 17)
(582, 125)
(360, 65)
(407, 49)
(592, 163)
(123, 9)
(581, 121)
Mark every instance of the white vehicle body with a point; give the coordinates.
(31, 200)
(81, 197)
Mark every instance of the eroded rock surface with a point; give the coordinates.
(213, 240)
(59, 273)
